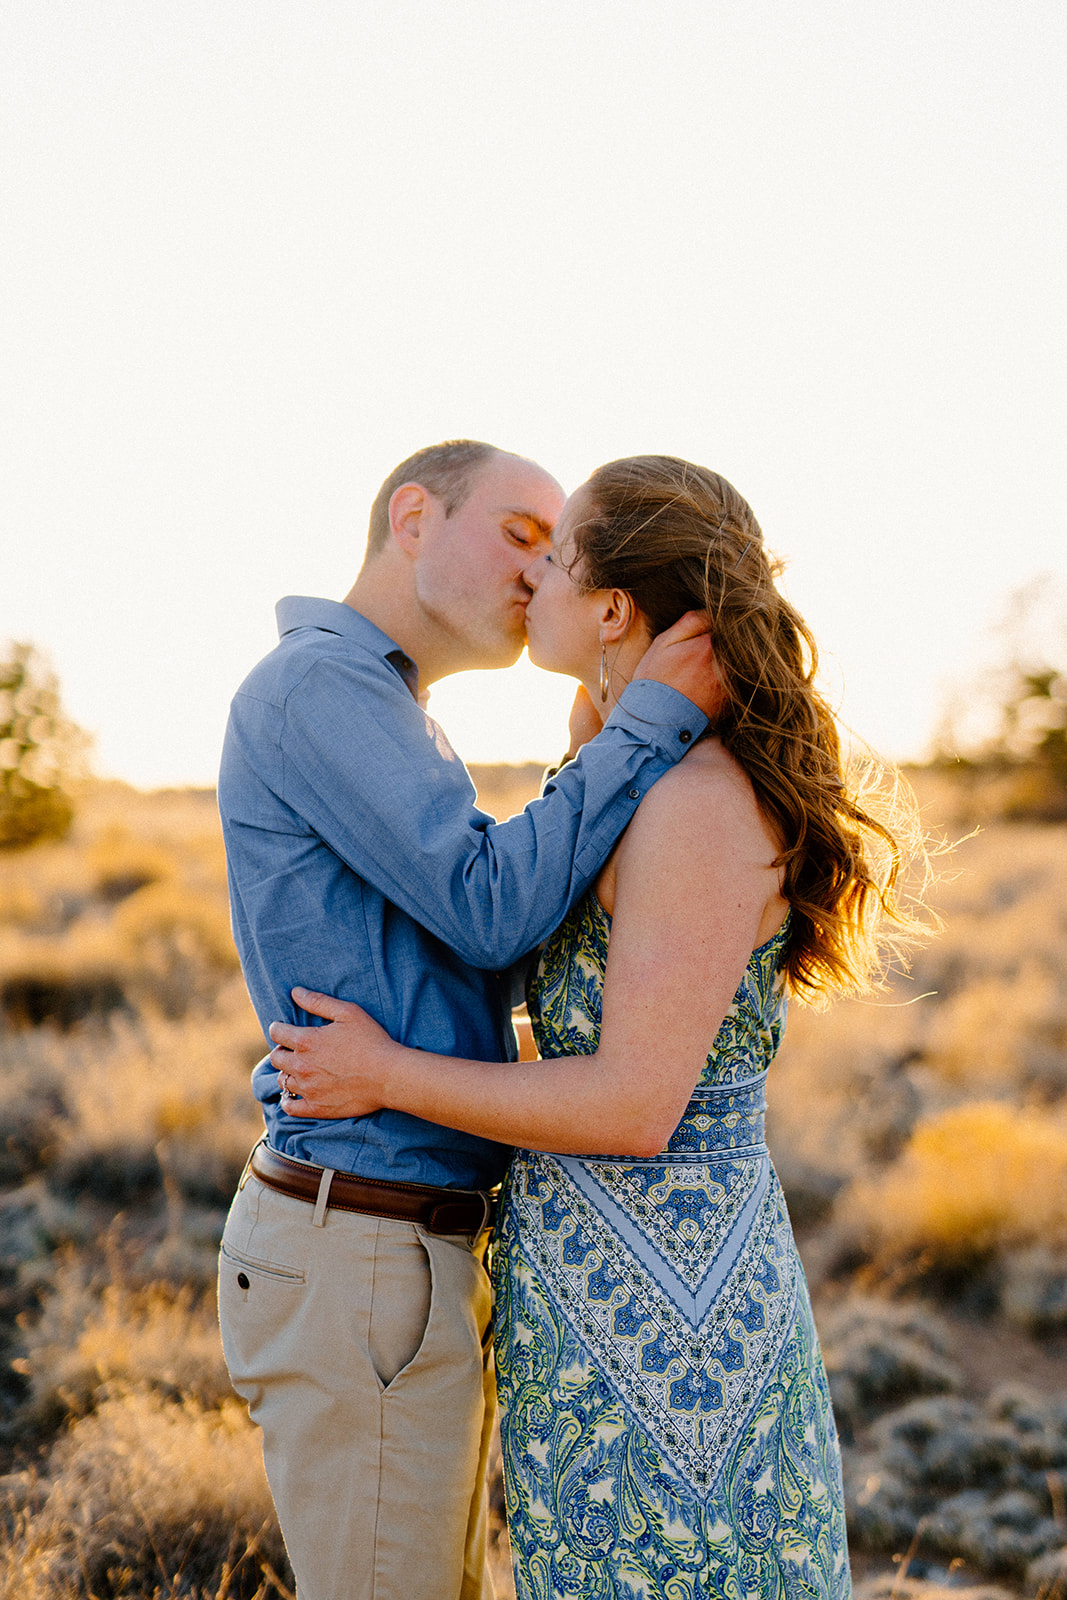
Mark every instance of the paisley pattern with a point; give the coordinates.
(666, 1421)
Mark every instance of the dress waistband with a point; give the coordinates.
(722, 1122)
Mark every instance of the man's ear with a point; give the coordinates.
(617, 616)
(408, 506)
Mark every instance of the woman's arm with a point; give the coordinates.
(695, 885)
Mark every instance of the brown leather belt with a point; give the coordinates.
(437, 1210)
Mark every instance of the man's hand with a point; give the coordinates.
(683, 658)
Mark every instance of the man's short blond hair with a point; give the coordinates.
(447, 470)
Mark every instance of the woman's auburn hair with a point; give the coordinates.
(678, 537)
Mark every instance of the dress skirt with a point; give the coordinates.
(665, 1417)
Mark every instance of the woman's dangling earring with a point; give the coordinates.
(605, 682)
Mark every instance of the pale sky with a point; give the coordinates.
(255, 253)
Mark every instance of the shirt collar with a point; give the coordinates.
(333, 616)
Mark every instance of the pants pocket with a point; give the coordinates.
(244, 1270)
(401, 1295)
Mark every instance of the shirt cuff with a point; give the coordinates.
(658, 715)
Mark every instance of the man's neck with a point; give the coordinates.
(381, 595)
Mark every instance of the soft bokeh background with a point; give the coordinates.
(255, 253)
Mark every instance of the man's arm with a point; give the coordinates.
(371, 776)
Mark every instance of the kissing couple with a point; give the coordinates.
(699, 855)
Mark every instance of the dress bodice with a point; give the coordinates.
(728, 1101)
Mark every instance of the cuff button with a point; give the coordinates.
(685, 736)
(633, 794)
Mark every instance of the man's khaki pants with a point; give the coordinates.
(358, 1344)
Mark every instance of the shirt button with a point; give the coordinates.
(685, 736)
(633, 794)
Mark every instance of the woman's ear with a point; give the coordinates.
(617, 617)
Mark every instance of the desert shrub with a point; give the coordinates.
(20, 903)
(32, 1068)
(981, 1483)
(901, 1585)
(1005, 1029)
(92, 1335)
(1033, 1290)
(973, 1180)
(161, 1103)
(840, 1092)
(62, 998)
(40, 750)
(119, 864)
(1047, 1576)
(148, 1496)
(119, 917)
(179, 943)
(879, 1355)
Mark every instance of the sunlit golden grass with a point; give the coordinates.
(167, 1096)
(120, 862)
(129, 913)
(148, 1497)
(975, 1178)
(93, 1334)
(936, 1115)
(1003, 1030)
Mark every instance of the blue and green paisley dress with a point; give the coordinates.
(665, 1417)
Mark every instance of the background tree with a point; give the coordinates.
(42, 752)
(1012, 720)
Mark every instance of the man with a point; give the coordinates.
(353, 1300)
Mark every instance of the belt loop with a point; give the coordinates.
(248, 1164)
(318, 1216)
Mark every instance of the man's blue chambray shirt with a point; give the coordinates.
(360, 866)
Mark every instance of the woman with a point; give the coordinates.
(666, 1423)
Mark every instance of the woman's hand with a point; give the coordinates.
(336, 1071)
(585, 722)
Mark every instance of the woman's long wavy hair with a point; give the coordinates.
(677, 537)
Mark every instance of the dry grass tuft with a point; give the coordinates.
(157, 1103)
(974, 1179)
(92, 1336)
(149, 1497)
(127, 914)
(120, 863)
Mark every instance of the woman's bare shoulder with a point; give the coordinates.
(698, 825)
(709, 786)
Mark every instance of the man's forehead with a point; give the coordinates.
(523, 486)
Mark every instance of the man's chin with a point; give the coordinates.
(507, 656)
(502, 652)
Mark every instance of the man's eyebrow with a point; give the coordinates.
(529, 516)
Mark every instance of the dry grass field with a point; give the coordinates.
(921, 1138)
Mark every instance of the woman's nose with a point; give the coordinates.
(531, 575)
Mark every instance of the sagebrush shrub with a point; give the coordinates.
(973, 1179)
